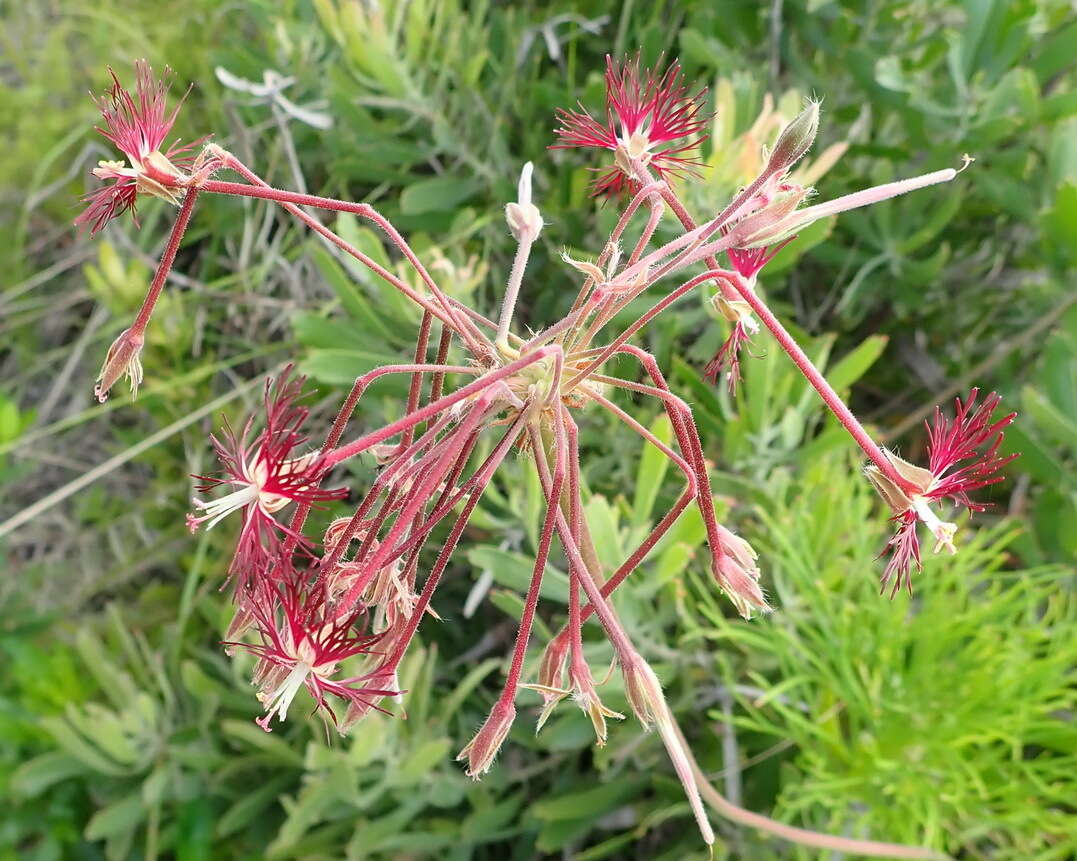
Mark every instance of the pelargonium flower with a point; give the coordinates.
(962, 457)
(137, 124)
(728, 356)
(649, 119)
(265, 474)
(302, 645)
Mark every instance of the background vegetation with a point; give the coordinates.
(945, 719)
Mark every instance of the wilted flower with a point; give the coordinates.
(267, 474)
(122, 360)
(727, 358)
(481, 750)
(137, 125)
(972, 439)
(644, 112)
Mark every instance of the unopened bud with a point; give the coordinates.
(738, 548)
(740, 583)
(776, 221)
(481, 750)
(795, 140)
(122, 359)
(523, 216)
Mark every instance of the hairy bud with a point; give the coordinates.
(122, 360)
(795, 140)
(481, 750)
(523, 216)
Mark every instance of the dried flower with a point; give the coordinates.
(481, 750)
(643, 113)
(122, 360)
(137, 125)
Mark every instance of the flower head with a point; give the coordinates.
(137, 125)
(266, 474)
(962, 457)
(303, 644)
(651, 120)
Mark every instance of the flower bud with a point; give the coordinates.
(738, 548)
(795, 140)
(121, 360)
(740, 583)
(481, 750)
(776, 221)
(523, 216)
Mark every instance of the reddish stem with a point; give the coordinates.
(553, 507)
(819, 383)
(179, 227)
(486, 381)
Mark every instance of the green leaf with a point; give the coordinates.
(251, 803)
(514, 570)
(437, 194)
(342, 367)
(856, 363)
(589, 803)
(36, 775)
(119, 817)
(419, 761)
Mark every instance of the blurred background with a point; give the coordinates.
(944, 719)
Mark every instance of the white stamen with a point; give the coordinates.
(218, 509)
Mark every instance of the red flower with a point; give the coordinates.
(728, 358)
(643, 113)
(950, 443)
(266, 475)
(137, 125)
(302, 645)
(962, 457)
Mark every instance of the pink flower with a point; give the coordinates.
(648, 119)
(962, 457)
(728, 357)
(302, 645)
(137, 125)
(265, 475)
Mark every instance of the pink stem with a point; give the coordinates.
(819, 383)
(264, 191)
(179, 227)
(437, 472)
(553, 506)
(658, 308)
(364, 442)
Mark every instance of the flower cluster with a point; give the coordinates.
(336, 616)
